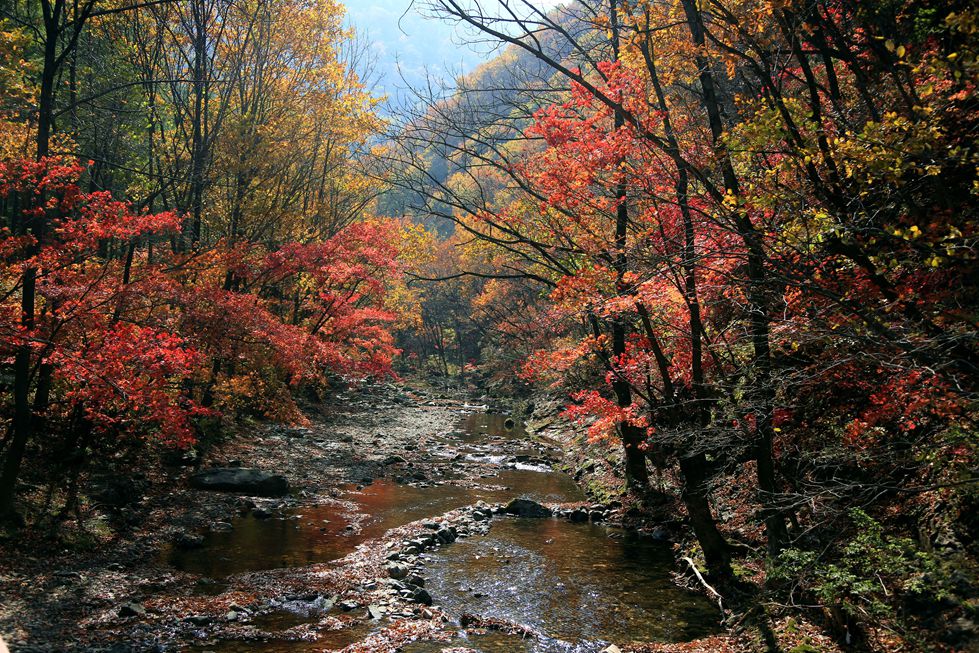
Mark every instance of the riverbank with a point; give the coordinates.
(381, 480)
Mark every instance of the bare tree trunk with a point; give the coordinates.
(636, 473)
(23, 421)
(775, 529)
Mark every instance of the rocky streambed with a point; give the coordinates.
(412, 522)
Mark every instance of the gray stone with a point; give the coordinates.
(397, 571)
(184, 540)
(132, 610)
(445, 535)
(660, 534)
(578, 515)
(251, 482)
(527, 508)
(420, 595)
(198, 619)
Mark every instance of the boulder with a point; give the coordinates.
(187, 541)
(420, 595)
(251, 482)
(527, 508)
(578, 515)
(397, 570)
(261, 513)
(445, 535)
(116, 492)
(132, 610)
(198, 620)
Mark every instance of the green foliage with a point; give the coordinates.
(865, 574)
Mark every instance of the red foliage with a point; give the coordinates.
(137, 344)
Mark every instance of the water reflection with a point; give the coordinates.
(325, 641)
(570, 581)
(319, 533)
(480, 426)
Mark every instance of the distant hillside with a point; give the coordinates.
(486, 108)
(405, 45)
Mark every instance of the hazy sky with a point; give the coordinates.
(405, 43)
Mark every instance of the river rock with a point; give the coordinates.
(397, 570)
(421, 595)
(198, 620)
(117, 492)
(132, 610)
(424, 541)
(479, 515)
(445, 535)
(252, 482)
(527, 508)
(186, 541)
(660, 534)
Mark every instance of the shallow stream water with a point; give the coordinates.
(582, 585)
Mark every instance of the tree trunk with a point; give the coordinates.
(775, 530)
(636, 473)
(23, 358)
(717, 556)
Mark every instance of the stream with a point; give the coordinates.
(582, 585)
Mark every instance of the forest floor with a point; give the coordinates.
(142, 577)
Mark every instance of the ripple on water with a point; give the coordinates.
(570, 581)
(319, 533)
(325, 641)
